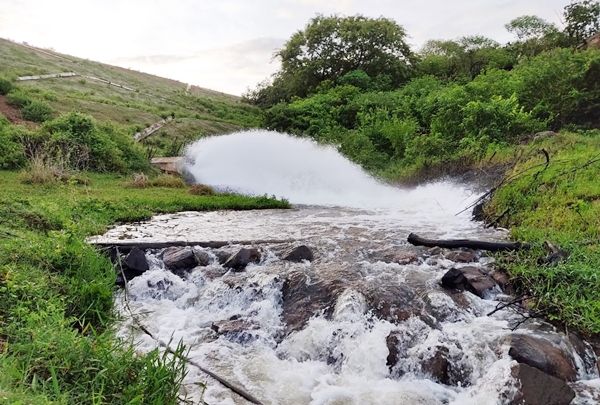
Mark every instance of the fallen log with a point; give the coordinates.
(125, 244)
(416, 240)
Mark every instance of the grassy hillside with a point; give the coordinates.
(197, 113)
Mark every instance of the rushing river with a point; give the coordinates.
(365, 322)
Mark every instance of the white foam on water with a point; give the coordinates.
(265, 162)
(336, 359)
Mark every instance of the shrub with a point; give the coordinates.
(17, 98)
(201, 189)
(36, 111)
(5, 86)
(12, 152)
(87, 145)
(43, 170)
(139, 180)
(168, 181)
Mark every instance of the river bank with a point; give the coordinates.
(57, 344)
(555, 199)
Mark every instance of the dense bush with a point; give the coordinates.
(18, 98)
(5, 86)
(12, 152)
(36, 111)
(428, 122)
(84, 144)
(74, 142)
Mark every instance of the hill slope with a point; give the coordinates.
(125, 97)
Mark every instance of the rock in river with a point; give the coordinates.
(538, 388)
(299, 254)
(179, 258)
(543, 355)
(242, 258)
(468, 278)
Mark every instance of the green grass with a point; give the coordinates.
(56, 311)
(560, 204)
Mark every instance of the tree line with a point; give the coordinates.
(356, 83)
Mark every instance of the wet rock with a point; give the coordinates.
(404, 258)
(478, 213)
(542, 355)
(391, 342)
(304, 296)
(585, 352)
(133, 265)
(468, 278)
(212, 273)
(202, 257)
(501, 277)
(233, 326)
(299, 254)
(538, 388)
(136, 261)
(238, 330)
(462, 256)
(242, 258)
(389, 300)
(179, 258)
(222, 255)
(434, 251)
(438, 365)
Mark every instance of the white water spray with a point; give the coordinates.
(264, 162)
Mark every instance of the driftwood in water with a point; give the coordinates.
(416, 240)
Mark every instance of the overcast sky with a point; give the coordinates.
(228, 45)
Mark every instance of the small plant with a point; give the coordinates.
(139, 180)
(201, 189)
(167, 180)
(5, 86)
(44, 171)
(18, 98)
(36, 111)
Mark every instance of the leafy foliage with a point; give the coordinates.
(582, 19)
(329, 48)
(5, 86)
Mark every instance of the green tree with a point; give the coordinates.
(529, 27)
(534, 35)
(329, 48)
(464, 58)
(582, 19)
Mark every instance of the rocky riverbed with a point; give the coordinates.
(333, 307)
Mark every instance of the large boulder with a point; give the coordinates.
(388, 299)
(543, 355)
(132, 265)
(538, 388)
(179, 258)
(304, 296)
(299, 254)
(438, 366)
(202, 257)
(468, 278)
(136, 260)
(243, 257)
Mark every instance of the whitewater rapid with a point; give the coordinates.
(357, 229)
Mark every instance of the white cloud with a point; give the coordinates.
(228, 44)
